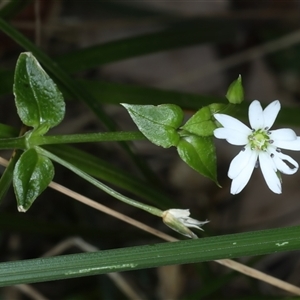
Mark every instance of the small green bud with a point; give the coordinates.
(235, 93)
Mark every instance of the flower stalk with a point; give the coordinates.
(150, 209)
(38, 140)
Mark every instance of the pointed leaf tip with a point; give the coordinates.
(199, 154)
(32, 174)
(158, 123)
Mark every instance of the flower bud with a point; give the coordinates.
(179, 220)
(235, 93)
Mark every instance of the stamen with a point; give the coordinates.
(271, 141)
(272, 155)
(278, 150)
(266, 128)
(259, 140)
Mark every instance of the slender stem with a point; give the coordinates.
(152, 210)
(13, 143)
(87, 137)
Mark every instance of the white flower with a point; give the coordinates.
(262, 146)
(179, 220)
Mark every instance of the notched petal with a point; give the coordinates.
(269, 172)
(243, 159)
(279, 160)
(232, 123)
(270, 113)
(256, 117)
(232, 136)
(288, 145)
(283, 134)
(239, 182)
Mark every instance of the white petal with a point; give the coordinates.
(193, 223)
(270, 113)
(283, 134)
(279, 158)
(179, 213)
(256, 117)
(288, 145)
(232, 136)
(268, 169)
(232, 123)
(244, 158)
(239, 182)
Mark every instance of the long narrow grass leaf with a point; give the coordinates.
(150, 256)
(12, 7)
(181, 35)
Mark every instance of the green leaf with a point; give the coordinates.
(201, 123)
(32, 174)
(158, 123)
(199, 154)
(7, 131)
(150, 256)
(39, 102)
(76, 90)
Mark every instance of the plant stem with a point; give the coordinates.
(152, 210)
(13, 143)
(87, 137)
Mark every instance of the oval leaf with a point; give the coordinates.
(38, 100)
(32, 174)
(199, 154)
(202, 122)
(158, 123)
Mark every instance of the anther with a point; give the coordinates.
(271, 141)
(272, 155)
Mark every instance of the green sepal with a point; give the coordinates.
(199, 153)
(158, 123)
(32, 174)
(38, 100)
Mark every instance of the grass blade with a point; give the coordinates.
(150, 256)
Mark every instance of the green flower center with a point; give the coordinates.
(259, 140)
